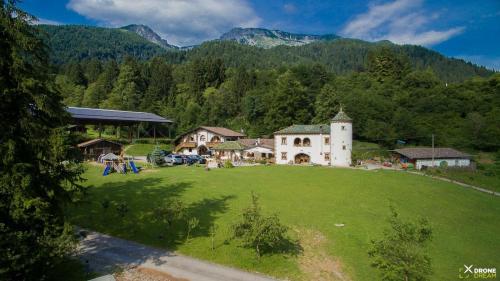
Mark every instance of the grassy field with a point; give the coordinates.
(142, 149)
(311, 200)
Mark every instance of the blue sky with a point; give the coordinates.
(458, 28)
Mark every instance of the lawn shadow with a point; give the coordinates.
(206, 211)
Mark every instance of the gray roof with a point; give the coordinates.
(304, 129)
(341, 117)
(94, 115)
(426, 153)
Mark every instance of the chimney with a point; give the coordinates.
(258, 140)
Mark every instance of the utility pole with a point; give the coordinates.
(433, 150)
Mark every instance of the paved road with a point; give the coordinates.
(105, 253)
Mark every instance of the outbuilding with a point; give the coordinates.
(433, 157)
(92, 149)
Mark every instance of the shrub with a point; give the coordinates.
(157, 157)
(264, 234)
(171, 211)
(400, 254)
(228, 164)
(191, 225)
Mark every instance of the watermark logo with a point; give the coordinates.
(470, 272)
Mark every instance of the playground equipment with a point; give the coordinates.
(114, 163)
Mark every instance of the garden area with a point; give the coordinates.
(331, 215)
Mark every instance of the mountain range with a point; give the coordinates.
(253, 47)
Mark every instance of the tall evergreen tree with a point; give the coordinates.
(38, 172)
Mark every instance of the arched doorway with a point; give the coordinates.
(202, 150)
(302, 158)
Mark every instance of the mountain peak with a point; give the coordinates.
(147, 33)
(266, 38)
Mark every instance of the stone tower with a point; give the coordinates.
(341, 139)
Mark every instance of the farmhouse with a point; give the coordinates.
(203, 139)
(323, 144)
(258, 149)
(433, 157)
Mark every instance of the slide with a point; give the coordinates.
(133, 167)
(106, 170)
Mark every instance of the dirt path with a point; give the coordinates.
(108, 254)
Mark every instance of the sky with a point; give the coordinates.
(456, 28)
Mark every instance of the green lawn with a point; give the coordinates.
(465, 222)
(477, 177)
(142, 149)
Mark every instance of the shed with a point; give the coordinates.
(433, 157)
(93, 148)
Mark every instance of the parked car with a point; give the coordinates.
(163, 153)
(187, 160)
(197, 159)
(174, 159)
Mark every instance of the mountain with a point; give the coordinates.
(147, 33)
(77, 42)
(265, 38)
(248, 47)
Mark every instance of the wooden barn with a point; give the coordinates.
(93, 148)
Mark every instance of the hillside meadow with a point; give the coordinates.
(311, 201)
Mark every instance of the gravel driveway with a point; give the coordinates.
(106, 254)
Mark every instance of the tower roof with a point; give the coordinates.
(341, 117)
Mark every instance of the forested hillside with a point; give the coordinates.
(388, 98)
(75, 43)
(340, 56)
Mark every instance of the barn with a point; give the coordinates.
(433, 157)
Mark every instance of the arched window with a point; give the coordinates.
(215, 139)
(297, 142)
(202, 138)
(306, 142)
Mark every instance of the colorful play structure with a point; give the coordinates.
(114, 163)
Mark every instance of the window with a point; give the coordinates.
(342, 128)
(283, 141)
(283, 156)
(343, 147)
(297, 142)
(202, 138)
(327, 140)
(327, 156)
(191, 138)
(306, 142)
(215, 139)
(190, 150)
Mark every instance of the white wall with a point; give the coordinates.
(315, 151)
(451, 163)
(341, 141)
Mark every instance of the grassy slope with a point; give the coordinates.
(305, 197)
(142, 149)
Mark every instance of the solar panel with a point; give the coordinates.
(94, 114)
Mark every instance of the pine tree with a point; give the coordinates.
(38, 171)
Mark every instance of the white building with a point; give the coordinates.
(429, 157)
(324, 144)
(203, 139)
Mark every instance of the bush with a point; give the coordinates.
(157, 157)
(264, 234)
(228, 164)
(122, 209)
(400, 254)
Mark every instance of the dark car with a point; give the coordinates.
(174, 159)
(197, 159)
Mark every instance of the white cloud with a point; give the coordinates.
(400, 21)
(181, 22)
(46, 21)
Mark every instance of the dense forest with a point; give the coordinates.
(339, 56)
(389, 98)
